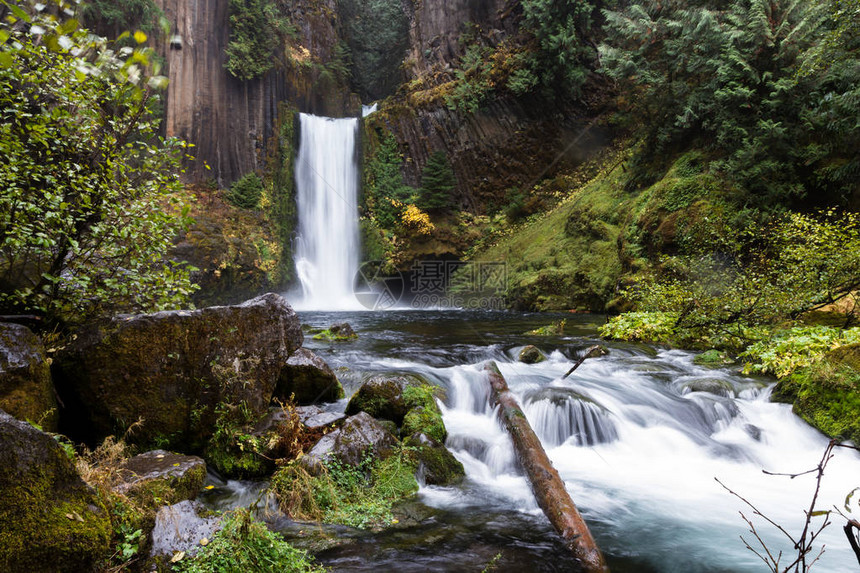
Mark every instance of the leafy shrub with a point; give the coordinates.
(796, 348)
(244, 545)
(246, 192)
(641, 326)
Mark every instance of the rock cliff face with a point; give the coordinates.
(230, 121)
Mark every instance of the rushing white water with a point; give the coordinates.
(327, 247)
(641, 457)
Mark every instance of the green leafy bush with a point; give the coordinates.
(246, 191)
(256, 27)
(787, 351)
(641, 326)
(244, 545)
(88, 190)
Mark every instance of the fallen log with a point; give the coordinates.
(546, 484)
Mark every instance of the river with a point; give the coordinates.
(639, 452)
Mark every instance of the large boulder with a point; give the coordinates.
(359, 436)
(50, 520)
(172, 368)
(531, 354)
(26, 391)
(308, 379)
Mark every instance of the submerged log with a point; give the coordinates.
(546, 484)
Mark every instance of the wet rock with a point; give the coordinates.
(26, 390)
(337, 333)
(309, 379)
(716, 386)
(172, 369)
(314, 417)
(436, 465)
(381, 396)
(50, 520)
(359, 436)
(180, 528)
(175, 476)
(531, 355)
(713, 358)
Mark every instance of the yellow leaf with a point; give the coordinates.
(209, 487)
(177, 557)
(204, 542)
(139, 37)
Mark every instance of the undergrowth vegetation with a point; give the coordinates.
(358, 496)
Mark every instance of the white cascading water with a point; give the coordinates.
(640, 457)
(327, 247)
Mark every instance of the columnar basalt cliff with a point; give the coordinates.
(230, 121)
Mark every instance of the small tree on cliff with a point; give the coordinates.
(87, 189)
(437, 182)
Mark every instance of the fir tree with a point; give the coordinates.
(437, 182)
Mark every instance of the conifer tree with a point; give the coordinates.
(437, 182)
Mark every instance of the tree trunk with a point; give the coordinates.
(545, 482)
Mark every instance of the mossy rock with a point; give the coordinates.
(236, 450)
(168, 476)
(26, 390)
(436, 465)
(716, 386)
(337, 333)
(554, 329)
(531, 354)
(827, 394)
(381, 396)
(307, 379)
(713, 358)
(173, 368)
(50, 520)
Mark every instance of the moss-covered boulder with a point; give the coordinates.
(308, 379)
(26, 390)
(827, 393)
(173, 368)
(169, 476)
(423, 415)
(713, 358)
(381, 396)
(436, 465)
(50, 520)
(359, 436)
(337, 333)
(531, 355)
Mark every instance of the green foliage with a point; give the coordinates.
(787, 351)
(655, 327)
(88, 190)
(564, 54)
(256, 28)
(827, 395)
(437, 183)
(245, 193)
(729, 79)
(423, 414)
(378, 35)
(472, 80)
(384, 189)
(244, 545)
(769, 272)
(360, 496)
(232, 450)
(118, 16)
(554, 329)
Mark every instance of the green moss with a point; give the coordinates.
(40, 531)
(826, 395)
(436, 463)
(713, 357)
(331, 336)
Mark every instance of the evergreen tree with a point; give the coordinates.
(437, 182)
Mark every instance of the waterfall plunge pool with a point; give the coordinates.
(639, 452)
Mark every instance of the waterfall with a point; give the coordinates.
(327, 248)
